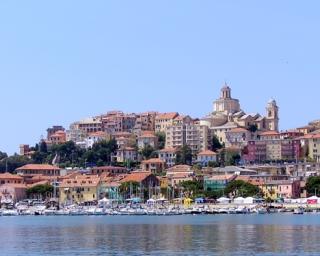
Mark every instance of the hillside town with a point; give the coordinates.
(168, 156)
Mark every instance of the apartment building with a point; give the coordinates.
(88, 125)
(117, 121)
(145, 122)
(194, 135)
(164, 120)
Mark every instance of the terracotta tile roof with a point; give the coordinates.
(153, 161)
(147, 136)
(147, 133)
(136, 176)
(109, 168)
(168, 150)
(36, 167)
(269, 133)
(9, 176)
(207, 153)
(12, 185)
(43, 182)
(310, 136)
(180, 168)
(171, 115)
(179, 176)
(81, 181)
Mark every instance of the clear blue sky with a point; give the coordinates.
(64, 60)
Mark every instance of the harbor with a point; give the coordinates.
(155, 208)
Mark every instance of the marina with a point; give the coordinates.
(154, 208)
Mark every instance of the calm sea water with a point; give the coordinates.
(151, 235)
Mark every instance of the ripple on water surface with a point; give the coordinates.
(152, 235)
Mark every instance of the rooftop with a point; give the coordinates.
(38, 167)
(137, 176)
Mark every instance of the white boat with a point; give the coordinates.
(49, 212)
(242, 210)
(260, 210)
(9, 213)
(62, 212)
(298, 211)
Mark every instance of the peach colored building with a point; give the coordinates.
(109, 170)
(154, 165)
(12, 192)
(58, 137)
(8, 178)
(36, 169)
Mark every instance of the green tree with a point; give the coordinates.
(161, 140)
(43, 147)
(192, 188)
(11, 163)
(147, 152)
(215, 143)
(3, 155)
(184, 155)
(213, 164)
(242, 188)
(42, 191)
(253, 128)
(313, 186)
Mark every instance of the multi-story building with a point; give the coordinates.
(164, 120)
(147, 139)
(88, 125)
(126, 154)
(38, 169)
(311, 146)
(109, 170)
(52, 130)
(24, 149)
(238, 137)
(96, 137)
(117, 121)
(124, 139)
(154, 165)
(272, 149)
(76, 134)
(186, 132)
(59, 137)
(83, 189)
(8, 178)
(168, 155)
(205, 157)
(145, 122)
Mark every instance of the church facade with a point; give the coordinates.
(228, 115)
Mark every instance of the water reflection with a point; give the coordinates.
(182, 235)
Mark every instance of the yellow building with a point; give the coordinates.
(83, 189)
(164, 120)
(314, 147)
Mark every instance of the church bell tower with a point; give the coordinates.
(272, 116)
